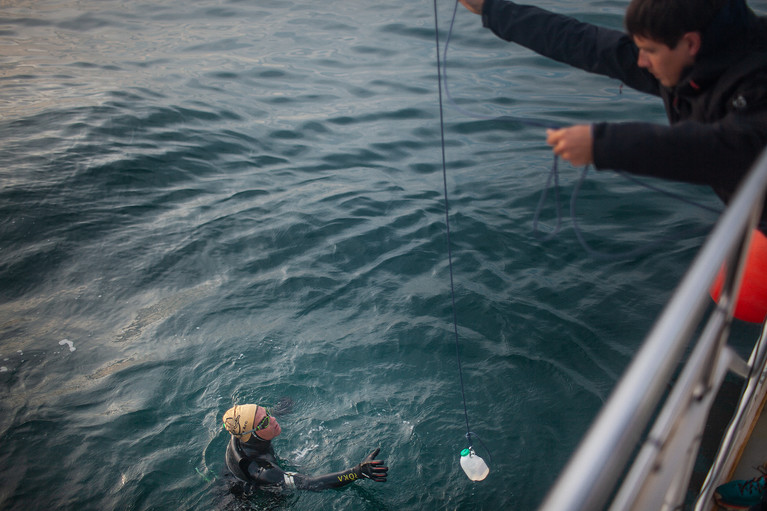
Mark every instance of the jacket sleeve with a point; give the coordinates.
(564, 39)
(717, 154)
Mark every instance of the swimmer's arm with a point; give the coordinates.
(370, 468)
(272, 476)
(275, 476)
(322, 482)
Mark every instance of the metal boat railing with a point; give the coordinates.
(640, 451)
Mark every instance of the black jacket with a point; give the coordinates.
(718, 111)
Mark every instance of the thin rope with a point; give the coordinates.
(553, 175)
(447, 222)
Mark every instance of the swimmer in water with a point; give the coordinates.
(250, 456)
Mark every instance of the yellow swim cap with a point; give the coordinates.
(243, 420)
(239, 419)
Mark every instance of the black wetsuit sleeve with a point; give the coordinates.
(267, 476)
(275, 476)
(564, 39)
(322, 482)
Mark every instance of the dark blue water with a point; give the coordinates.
(219, 202)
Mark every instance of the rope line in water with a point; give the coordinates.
(447, 222)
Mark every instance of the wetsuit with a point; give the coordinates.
(717, 111)
(254, 462)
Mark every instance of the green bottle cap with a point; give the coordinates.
(465, 452)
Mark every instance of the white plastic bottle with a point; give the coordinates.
(473, 465)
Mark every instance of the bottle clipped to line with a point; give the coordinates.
(473, 465)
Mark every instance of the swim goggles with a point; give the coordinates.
(263, 424)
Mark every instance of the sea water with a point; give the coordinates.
(217, 202)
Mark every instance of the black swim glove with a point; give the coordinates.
(371, 468)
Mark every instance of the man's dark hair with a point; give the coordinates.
(666, 21)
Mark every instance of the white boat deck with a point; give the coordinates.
(754, 455)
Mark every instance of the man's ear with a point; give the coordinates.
(692, 42)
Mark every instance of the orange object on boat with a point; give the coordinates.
(751, 305)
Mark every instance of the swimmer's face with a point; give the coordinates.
(268, 427)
